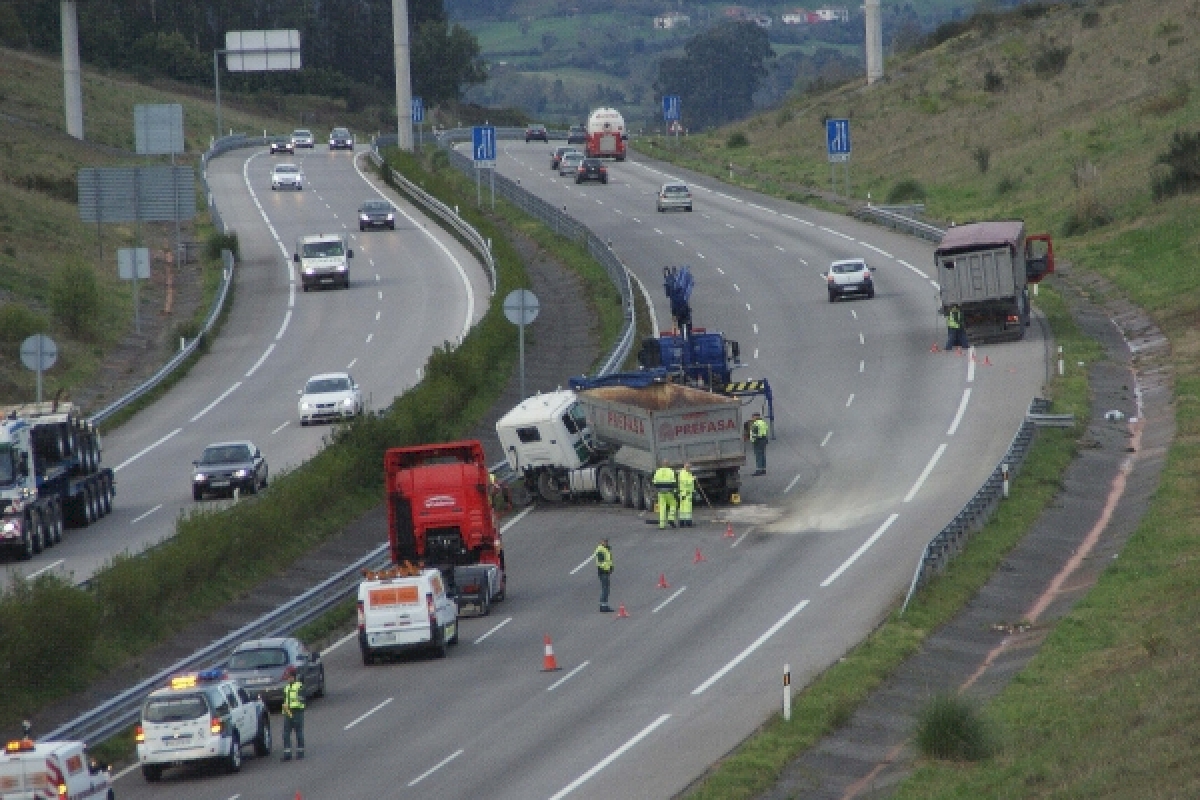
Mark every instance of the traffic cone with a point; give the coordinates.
(973, 359)
(728, 530)
(958, 350)
(935, 348)
(987, 361)
(549, 662)
(698, 557)
(621, 612)
(662, 581)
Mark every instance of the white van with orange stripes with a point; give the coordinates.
(402, 609)
(51, 770)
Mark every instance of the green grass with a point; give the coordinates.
(1107, 706)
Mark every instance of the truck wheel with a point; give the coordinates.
(648, 493)
(623, 487)
(320, 692)
(454, 638)
(37, 532)
(233, 761)
(106, 496)
(606, 482)
(56, 523)
(262, 742)
(367, 658)
(548, 488)
(439, 644)
(26, 551)
(89, 505)
(152, 773)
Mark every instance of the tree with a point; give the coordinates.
(718, 74)
(445, 60)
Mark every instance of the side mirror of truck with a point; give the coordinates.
(349, 254)
(296, 257)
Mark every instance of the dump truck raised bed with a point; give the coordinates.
(985, 268)
(606, 441)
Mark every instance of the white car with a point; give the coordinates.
(302, 137)
(570, 162)
(287, 176)
(674, 195)
(200, 717)
(849, 276)
(328, 397)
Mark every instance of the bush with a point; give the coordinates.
(75, 296)
(1051, 59)
(45, 625)
(1182, 161)
(737, 139)
(906, 191)
(220, 241)
(950, 728)
(983, 158)
(993, 81)
(18, 322)
(1090, 19)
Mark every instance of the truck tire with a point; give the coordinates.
(548, 488)
(37, 532)
(56, 522)
(439, 643)
(106, 496)
(649, 493)
(606, 482)
(454, 638)
(152, 773)
(262, 742)
(233, 761)
(89, 505)
(635, 491)
(623, 487)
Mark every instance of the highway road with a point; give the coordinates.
(411, 289)
(879, 443)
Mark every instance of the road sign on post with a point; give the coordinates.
(521, 308)
(837, 139)
(483, 146)
(418, 116)
(671, 108)
(39, 353)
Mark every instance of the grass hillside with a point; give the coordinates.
(1063, 116)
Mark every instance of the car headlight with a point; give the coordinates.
(308, 270)
(391, 217)
(305, 406)
(199, 477)
(241, 473)
(365, 218)
(341, 267)
(12, 526)
(348, 402)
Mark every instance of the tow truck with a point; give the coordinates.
(31, 770)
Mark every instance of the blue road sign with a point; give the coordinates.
(837, 138)
(418, 110)
(483, 146)
(671, 107)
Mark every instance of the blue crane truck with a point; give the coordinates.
(50, 476)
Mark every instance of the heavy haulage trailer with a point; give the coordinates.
(50, 475)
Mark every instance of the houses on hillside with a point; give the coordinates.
(670, 20)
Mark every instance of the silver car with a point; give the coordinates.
(849, 276)
(674, 195)
(258, 665)
(570, 163)
(329, 397)
(287, 176)
(302, 137)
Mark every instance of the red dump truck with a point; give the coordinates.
(439, 505)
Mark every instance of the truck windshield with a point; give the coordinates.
(323, 250)
(8, 467)
(575, 414)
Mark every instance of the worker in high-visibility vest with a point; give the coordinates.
(956, 334)
(293, 714)
(758, 440)
(687, 491)
(604, 568)
(664, 481)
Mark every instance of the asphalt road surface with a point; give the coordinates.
(879, 442)
(411, 289)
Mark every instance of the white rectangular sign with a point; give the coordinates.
(262, 51)
(133, 262)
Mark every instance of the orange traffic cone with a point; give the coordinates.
(935, 348)
(662, 581)
(621, 612)
(728, 530)
(958, 350)
(698, 557)
(987, 362)
(549, 662)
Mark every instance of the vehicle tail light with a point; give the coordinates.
(1013, 318)
(214, 725)
(139, 735)
(62, 790)
(362, 617)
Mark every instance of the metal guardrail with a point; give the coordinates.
(114, 716)
(882, 215)
(951, 539)
(222, 145)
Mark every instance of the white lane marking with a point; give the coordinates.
(656, 230)
(281, 427)
(780, 249)
(792, 484)
(756, 354)
(761, 208)
(462, 272)
(858, 553)
(849, 400)
(753, 235)
(586, 561)
(727, 225)
(493, 630)
(737, 288)
(861, 339)
(720, 270)
(380, 294)
(378, 314)
(862, 366)
(369, 713)
(377, 278)
(738, 540)
(853, 313)
(747, 306)
(635, 219)
(663, 604)
(925, 474)
(884, 253)
(613, 756)
(756, 328)
(287, 317)
(619, 211)
(127, 770)
(436, 767)
(46, 568)
(699, 255)
(504, 528)
(353, 361)
(260, 361)
(681, 244)
(759, 642)
(136, 520)
(838, 233)
(962, 409)
(828, 436)
(971, 365)
(340, 642)
(370, 336)
(214, 403)
(145, 450)
(802, 261)
(566, 677)
(911, 267)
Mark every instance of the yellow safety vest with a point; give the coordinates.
(687, 483)
(664, 479)
(758, 429)
(293, 695)
(954, 320)
(604, 559)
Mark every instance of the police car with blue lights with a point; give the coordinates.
(32, 770)
(200, 717)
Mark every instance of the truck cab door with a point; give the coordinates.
(1039, 257)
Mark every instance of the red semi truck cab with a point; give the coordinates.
(440, 515)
